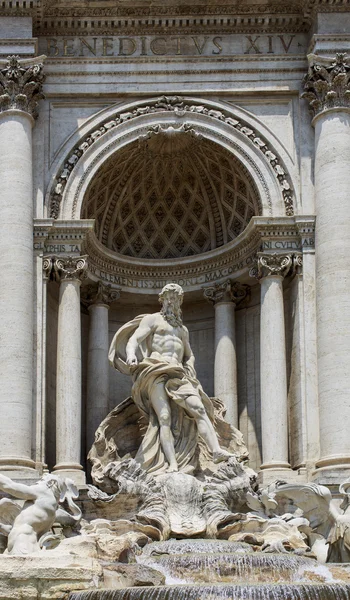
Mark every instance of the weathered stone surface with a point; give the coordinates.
(46, 578)
(134, 575)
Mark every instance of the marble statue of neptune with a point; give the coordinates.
(156, 351)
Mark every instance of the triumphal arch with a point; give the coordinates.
(202, 143)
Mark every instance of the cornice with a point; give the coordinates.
(145, 17)
(279, 235)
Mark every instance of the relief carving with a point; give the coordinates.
(226, 292)
(177, 105)
(101, 293)
(21, 86)
(70, 267)
(271, 264)
(327, 84)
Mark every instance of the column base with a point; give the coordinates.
(332, 470)
(271, 473)
(72, 471)
(20, 469)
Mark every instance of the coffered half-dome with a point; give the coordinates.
(170, 196)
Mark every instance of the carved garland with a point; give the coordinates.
(177, 105)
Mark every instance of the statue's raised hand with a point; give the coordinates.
(132, 360)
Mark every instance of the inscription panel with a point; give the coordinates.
(170, 45)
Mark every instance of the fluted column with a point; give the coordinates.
(224, 297)
(20, 90)
(70, 271)
(327, 86)
(98, 298)
(270, 271)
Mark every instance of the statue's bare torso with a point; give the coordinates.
(168, 341)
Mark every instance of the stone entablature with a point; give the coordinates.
(279, 235)
(212, 45)
(57, 16)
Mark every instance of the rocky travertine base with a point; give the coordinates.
(47, 577)
(52, 577)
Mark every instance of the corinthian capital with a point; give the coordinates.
(70, 267)
(101, 293)
(226, 292)
(21, 86)
(327, 84)
(271, 264)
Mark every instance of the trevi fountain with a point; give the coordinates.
(174, 512)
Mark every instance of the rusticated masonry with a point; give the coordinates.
(21, 86)
(327, 83)
(178, 106)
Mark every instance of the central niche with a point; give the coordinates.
(170, 196)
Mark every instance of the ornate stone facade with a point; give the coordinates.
(174, 144)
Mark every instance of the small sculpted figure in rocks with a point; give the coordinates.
(329, 524)
(27, 527)
(156, 351)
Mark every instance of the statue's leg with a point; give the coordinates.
(205, 428)
(160, 403)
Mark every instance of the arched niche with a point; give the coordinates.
(234, 129)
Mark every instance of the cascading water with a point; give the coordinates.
(217, 569)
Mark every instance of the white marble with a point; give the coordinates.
(273, 376)
(97, 370)
(332, 184)
(17, 290)
(68, 383)
(225, 364)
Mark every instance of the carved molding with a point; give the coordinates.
(282, 234)
(100, 293)
(227, 291)
(21, 86)
(68, 268)
(327, 83)
(271, 264)
(178, 106)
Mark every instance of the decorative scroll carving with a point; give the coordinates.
(297, 264)
(271, 264)
(327, 84)
(177, 105)
(21, 86)
(70, 267)
(47, 266)
(101, 293)
(226, 292)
